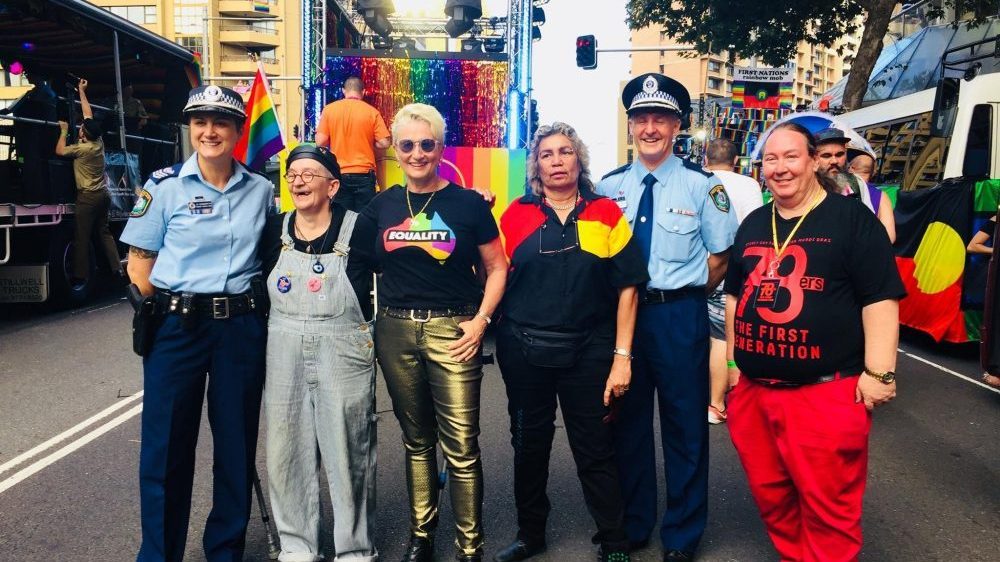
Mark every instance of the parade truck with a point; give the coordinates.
(935, 138)
(54, 44)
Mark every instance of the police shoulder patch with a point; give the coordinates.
(616, 171)
(696, 168)
(142, 200)
(164, 173)
(719, 198)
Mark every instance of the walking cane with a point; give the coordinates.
(273, 548)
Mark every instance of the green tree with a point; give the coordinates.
(771, 30)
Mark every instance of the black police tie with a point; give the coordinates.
(643, 229)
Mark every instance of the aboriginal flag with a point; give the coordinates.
(944, 286)
(757, 95)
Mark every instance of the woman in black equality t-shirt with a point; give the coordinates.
(812, 321)
(432, 315)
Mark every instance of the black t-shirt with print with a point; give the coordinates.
(805, 321)
(360, 260)
(427, 261)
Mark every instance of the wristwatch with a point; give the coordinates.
(623, 352)
(887, 377)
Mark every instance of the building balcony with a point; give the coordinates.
(243, 66)
(248, 8)
(248, 36)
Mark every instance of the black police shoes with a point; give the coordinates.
(678, 556)
(421, 549)
(469, 557)
(519, 550)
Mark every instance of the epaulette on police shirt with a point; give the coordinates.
(616, 171)
(164, 173)
(696, 168)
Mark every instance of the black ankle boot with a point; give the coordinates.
(421, 549)
(519, 550)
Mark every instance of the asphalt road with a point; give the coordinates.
(933, 486)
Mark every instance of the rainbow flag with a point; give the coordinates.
(262, 137)
(193, 70)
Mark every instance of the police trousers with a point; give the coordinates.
(227, 356)
(435, 398)
(670, 371)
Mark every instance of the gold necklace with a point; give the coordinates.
(422, 209)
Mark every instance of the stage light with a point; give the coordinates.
(472, 45)
(462, 15)
(537, 16)
(494, 45)
(376, 14)
(405, 43)
(382, 42)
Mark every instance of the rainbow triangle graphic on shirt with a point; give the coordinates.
(431, 235)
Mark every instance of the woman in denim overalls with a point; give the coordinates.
(319, 394)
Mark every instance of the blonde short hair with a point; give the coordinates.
(582, 155)
(419, 112)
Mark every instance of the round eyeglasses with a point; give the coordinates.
(306, 176)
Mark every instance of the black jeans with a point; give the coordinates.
(531, 394)
(356, 190)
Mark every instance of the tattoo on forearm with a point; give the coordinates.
(141, 253)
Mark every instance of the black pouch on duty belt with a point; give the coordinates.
(545, 348)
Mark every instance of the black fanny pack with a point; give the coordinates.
(545, 348)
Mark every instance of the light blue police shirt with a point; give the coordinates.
(693, 215)
(206, 239)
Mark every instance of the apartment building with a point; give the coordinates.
(225, 32)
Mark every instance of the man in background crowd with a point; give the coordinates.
(353, 129)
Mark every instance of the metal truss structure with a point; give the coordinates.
(515, 28)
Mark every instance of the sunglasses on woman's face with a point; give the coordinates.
(407, 146)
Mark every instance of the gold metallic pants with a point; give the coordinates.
(435, 398)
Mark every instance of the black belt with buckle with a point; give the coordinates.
(359, 174)
(425, 314)
(779, 383)
(658, 296)
(214, 307)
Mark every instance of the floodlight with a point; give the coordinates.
(376, 14)
(462, 15)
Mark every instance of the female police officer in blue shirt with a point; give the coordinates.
(193, 235)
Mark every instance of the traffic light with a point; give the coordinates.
(586, 51)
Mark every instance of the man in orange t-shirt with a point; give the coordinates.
(353, 129)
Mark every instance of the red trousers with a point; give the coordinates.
(805, 452)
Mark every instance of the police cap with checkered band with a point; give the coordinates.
(215, 99)
(656, 92)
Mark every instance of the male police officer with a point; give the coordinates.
(193, 235)
(681, 217)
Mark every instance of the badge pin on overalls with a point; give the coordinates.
(314, 284)
(284, 284)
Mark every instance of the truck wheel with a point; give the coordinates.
(62, 291)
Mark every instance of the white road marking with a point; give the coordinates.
(68, 433)
(950, 372)
(40, 464)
